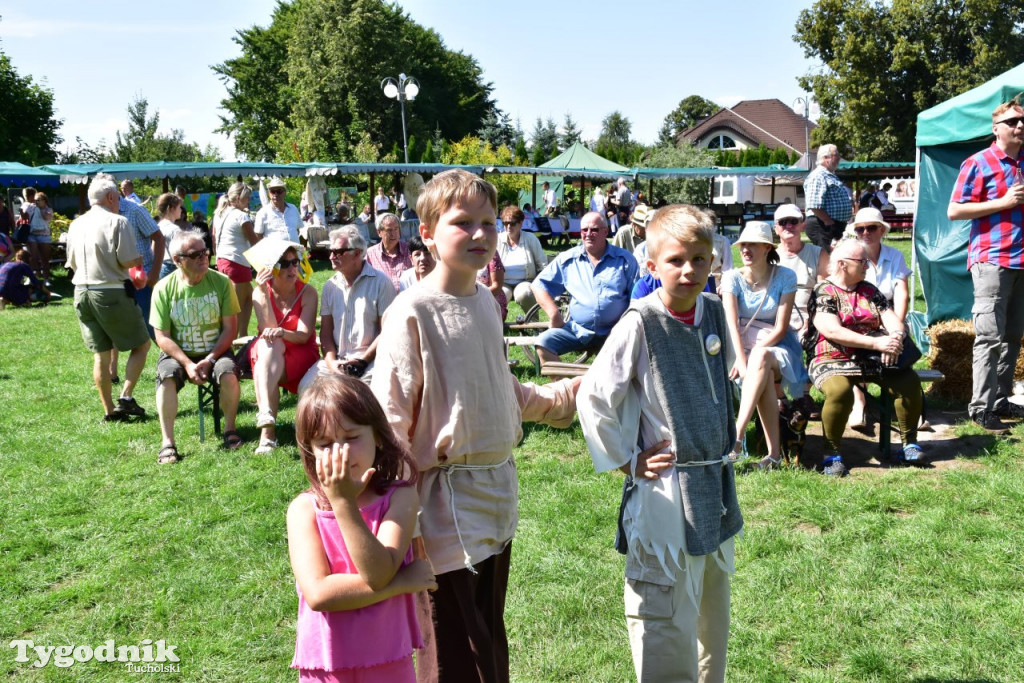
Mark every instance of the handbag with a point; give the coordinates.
(871, 360)
(22, 228)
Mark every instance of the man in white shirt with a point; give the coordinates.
(550, 201)
(351, 309)
(278, 218)
(128, 191)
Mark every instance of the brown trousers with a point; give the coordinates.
(468, 615)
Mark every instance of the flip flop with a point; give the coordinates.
(232, 440)
(168, 455)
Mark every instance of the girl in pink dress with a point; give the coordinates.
(349, 540)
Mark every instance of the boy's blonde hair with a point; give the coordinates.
(681, 222)
(448, 188)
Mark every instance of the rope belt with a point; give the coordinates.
(447, 470)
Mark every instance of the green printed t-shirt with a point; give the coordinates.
(191, 314)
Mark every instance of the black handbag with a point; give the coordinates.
(871, 360)
(22, 229)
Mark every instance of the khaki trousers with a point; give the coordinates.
(670, 639)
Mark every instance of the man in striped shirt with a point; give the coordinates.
(989, 192)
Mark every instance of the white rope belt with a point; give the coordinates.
(702, 463)
(447, 471)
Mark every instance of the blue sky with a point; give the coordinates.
(639, 57)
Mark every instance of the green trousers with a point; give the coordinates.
(902, 385)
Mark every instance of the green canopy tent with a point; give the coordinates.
(946, 135)
(575, 162)
(14, 174)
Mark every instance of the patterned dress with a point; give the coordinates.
(859, 310)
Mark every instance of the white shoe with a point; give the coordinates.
(266, 446)
(265, 418)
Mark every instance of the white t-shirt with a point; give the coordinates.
(168, 229)
(382, 203)
(231, 241)
(514, 259)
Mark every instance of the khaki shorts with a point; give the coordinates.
(169, 368)
(109, 318)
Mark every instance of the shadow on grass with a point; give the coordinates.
(932, 679)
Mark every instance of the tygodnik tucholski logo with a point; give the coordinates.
(147, 656)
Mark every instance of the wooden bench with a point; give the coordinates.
(560, 370)
(886, 409)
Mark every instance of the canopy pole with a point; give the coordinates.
(711, 191)
(166, 185)
(83, 202)
(373, 196)
(650, 191)
(913, 241)
(533, 196)
(773, 190)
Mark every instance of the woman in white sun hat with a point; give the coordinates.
(758, 299)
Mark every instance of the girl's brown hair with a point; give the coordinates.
(319, 413)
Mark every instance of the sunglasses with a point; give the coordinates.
(196, 254)
(860, 229)
(287, 263)
(1012, 123)
(788, 222)
(342, 251)
(277, 190)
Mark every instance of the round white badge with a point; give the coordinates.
(713, 344)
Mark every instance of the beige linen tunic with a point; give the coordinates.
(98, 243)
(444, 383)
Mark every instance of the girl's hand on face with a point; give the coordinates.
(336, 475)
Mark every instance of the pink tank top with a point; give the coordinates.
(369, 636)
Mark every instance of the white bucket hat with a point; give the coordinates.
(867, 216)
(756, 232)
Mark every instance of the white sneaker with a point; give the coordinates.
(266, 446)
(265, 418)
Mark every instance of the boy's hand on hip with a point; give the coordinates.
(653, 461)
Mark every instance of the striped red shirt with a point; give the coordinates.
(999, 237)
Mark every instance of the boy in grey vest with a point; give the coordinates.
(658, 405)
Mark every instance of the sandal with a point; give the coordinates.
(168, 455)
(265, 418)
(769, 463)
(232, 441)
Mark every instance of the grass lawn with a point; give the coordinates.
(893, 575)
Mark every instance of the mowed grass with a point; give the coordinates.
(899, 575)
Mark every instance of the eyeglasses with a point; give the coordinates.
(277, 190)
(860, 229)
(342, 251)
(387, 231)
(287, 263)
(788, 222)
(196, 254)
(1012, 123)
(862, 261)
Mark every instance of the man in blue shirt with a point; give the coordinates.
(598, 276)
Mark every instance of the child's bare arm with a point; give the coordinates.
(553, 404)
(327, 592)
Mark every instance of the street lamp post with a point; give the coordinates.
(405, 88)
(806, 102)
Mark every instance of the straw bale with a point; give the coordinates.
(952, 353)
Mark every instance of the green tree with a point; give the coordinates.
(496, 128)
(543, 141)
(259, 97)
(683, 155)
(428, 153)
(908, 55)
(614, 143)
(570, 132)
(143, 141)
(28, 128)
(472, 150)
(328, 83)
(687, 113)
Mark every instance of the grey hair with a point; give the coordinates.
(600, 219)
(388, 216)
(181, 238)
(826, 151)
(842, 252)
(351, 234)
(102, 185)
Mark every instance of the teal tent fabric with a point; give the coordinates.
(946, 135)
(17, 175)
(579, 157)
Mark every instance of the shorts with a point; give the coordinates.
(236, 272)
(169, 368)
(109, 318)
(562, 340)
(39, 238)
